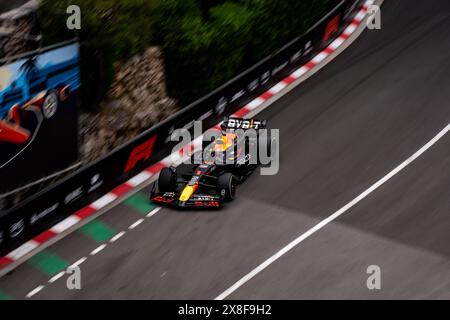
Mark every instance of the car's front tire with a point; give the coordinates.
(226, 186)
(167, 181)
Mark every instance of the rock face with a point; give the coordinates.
(136, 101)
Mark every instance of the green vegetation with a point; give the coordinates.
(205, 42)
(111, 30)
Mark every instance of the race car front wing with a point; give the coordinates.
(196, 201)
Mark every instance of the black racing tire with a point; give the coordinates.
(167, 181)
(226, 186)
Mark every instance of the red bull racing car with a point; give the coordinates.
(211, 181)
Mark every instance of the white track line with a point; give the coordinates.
(34, 291)
(55, 278)
(334, 216)
(152, 213)
(77, 263)
(117, 237)
(134, 225)
(98, 249)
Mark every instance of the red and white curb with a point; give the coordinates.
(179, 156)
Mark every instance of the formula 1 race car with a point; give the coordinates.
(212, 181)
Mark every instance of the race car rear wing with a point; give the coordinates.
(243, 124)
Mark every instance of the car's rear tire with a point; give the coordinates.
(226, 186)
(167, 181)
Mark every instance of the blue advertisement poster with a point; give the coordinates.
(38, 114)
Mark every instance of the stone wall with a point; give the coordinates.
(136, 101)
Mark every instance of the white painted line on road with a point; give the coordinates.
(152, 213)
(34, 291)
(333, 217)
(117, 237)
(77, 263)
(98, 249)
(134, 225)
(55, 278)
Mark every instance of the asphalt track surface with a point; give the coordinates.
(342, 130)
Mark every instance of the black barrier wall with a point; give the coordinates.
(89, 183)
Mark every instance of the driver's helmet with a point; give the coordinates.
(225, 142)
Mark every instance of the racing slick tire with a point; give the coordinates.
(167, 180)
(50, 105)
(226, 186)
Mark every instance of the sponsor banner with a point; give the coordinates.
(38, 114)
(89, 183)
